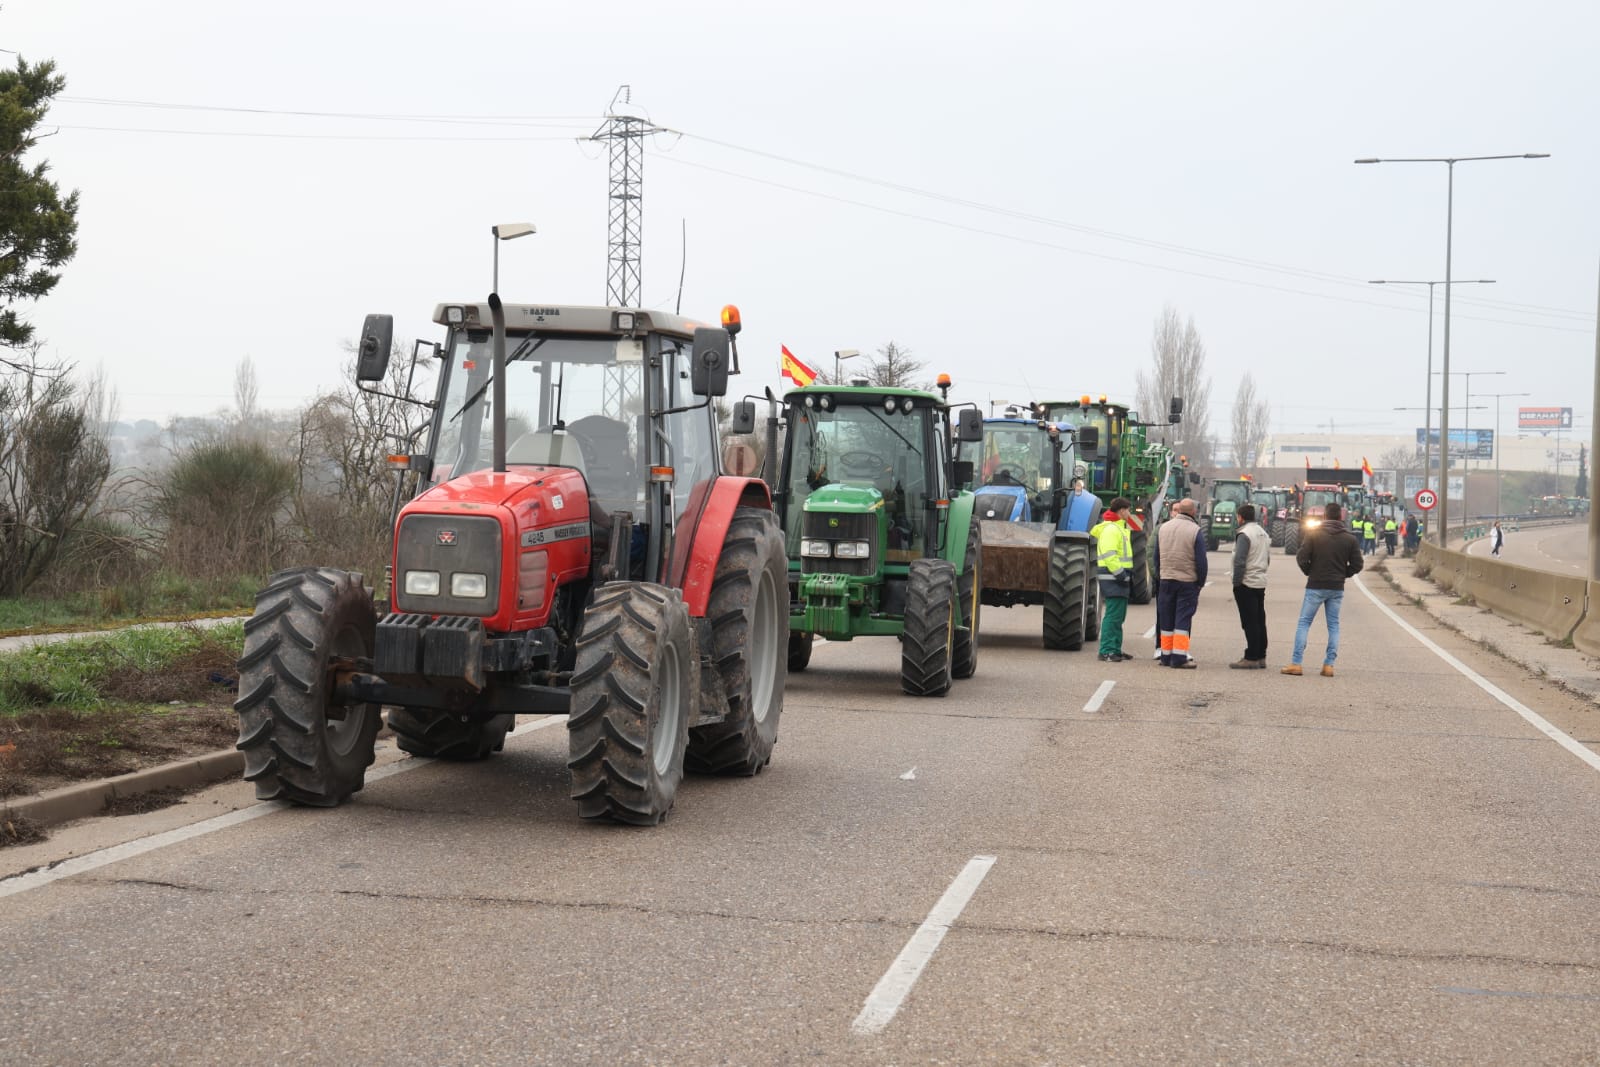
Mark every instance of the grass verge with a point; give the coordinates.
(166, 598)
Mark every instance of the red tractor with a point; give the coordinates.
(572, 547)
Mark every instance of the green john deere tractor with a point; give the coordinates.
(1127, 465)
(1222, 509)
(881, 542)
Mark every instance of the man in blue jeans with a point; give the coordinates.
(1327, 557)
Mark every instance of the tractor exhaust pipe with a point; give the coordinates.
(497, 315)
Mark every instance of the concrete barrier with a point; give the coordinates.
(1554, 604)
(1586, 638)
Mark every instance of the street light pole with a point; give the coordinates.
(1427, 418)
(1497, 507)
(505, 231)
(1466, 430)
(1449, 234)
(839, 356)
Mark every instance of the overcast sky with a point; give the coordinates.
(1064, 171)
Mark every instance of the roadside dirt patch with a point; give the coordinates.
(47, 749)
(19, 831)
(140, 803)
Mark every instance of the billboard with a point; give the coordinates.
(1544, 418)
(1458, 486)
(1464, 444)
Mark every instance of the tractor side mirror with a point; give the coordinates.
(712, 358)
(969, 425)
(1194, 477)
(962, 473)
(1175, 410)
(1088, 438)
(372, 356)
(744, 417)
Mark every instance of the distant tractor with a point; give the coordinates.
(1272, 510)
(1030, 555)
(571, 548)
(1127, 465)
(1323, 486)
(1221, 520)
(880, 539)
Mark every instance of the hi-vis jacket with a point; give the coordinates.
(1113, 557)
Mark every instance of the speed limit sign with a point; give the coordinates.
(1426, 499)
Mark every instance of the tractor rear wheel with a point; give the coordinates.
(964, 655)
(1277, 533)
(1291, 539)
(800, 651)
(297, 745)
(438, 734)
(925, 645)
(1091, 605)
(1139, 591)
(1067, 598)
(633, 693)
(749, 613)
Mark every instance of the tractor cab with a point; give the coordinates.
(1110, 423)
(1222, 510)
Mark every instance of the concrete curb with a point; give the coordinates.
(91, 798)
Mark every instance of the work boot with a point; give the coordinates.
(1293, 668)
(1243, 665)
(1327, 670)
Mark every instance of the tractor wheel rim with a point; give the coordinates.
(763, 649)
(669, 713)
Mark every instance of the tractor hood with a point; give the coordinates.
(844, 498)
(471, 492)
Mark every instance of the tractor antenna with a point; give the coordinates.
(683, 263)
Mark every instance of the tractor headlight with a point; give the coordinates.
(469, 585)
(816, 549)
(422, 583)
(1313, 522)
(852, 549)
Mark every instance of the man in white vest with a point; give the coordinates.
(1252, 554)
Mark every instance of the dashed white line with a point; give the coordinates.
(893, 988)
(909, 776)
(1534, 719)
(91, 861)
(1099, 696)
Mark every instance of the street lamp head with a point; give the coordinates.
(847, 353)
(505, 231)
(1369, 161)
(1536, 155)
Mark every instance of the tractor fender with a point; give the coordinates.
(956, 526)
(702, 530)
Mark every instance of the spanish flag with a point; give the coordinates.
(1366, 468)
(792, 369)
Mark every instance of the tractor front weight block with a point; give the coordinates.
(356, 689)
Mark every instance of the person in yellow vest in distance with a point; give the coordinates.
(1114, 570)
(1391, 534)
(1369, 536)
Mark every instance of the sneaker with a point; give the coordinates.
(1123, 656)
(1293, 668)
(1185, 665)
(1327, 670)
(1115, 657)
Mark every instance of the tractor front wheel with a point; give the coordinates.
(800, 651)
(1139, 591)
(438, 734)
(964, 655)
(1066, 599)
(1291, 539)
(297, 744)
(926, 643)
(633, 693)
(749, 613)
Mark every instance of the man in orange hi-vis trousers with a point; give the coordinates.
(1180, 559)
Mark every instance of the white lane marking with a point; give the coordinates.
(909, 776)
(1534, 719)
(1150, 632)
(1099, 696)
(91, 861)
(895, 985)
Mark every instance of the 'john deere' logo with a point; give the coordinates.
(833, 522)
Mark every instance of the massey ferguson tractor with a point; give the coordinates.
(881, 541)
(1323, 486)
(1030, 555)
(571, 548)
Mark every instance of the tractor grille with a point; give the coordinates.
(818, 525)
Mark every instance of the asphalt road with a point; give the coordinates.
(1563, 549)
(1390, 866)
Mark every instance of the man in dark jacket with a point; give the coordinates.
(1329, 556)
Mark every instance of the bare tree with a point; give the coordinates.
(1178, 369)
(246, 394)
(53, 462)
(894, 367)
(1252, 418)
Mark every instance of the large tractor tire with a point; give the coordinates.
(800, 651)
(1291, 539)
(1091, 607)
(297, 745)
(1276, 533)
(964, 654)
(438, 734)
(749, 613)
(1067, 600)
(1139, 591)
(633, 693)
(926, 644)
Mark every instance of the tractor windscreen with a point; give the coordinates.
(1100, 472)
(1233, 493)
(1016, 454)
(1319, 498)
(576, 402)
(863, 445)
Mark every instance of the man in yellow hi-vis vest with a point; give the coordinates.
(1114, 570)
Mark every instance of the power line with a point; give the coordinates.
(307, 136)
(555, 121)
